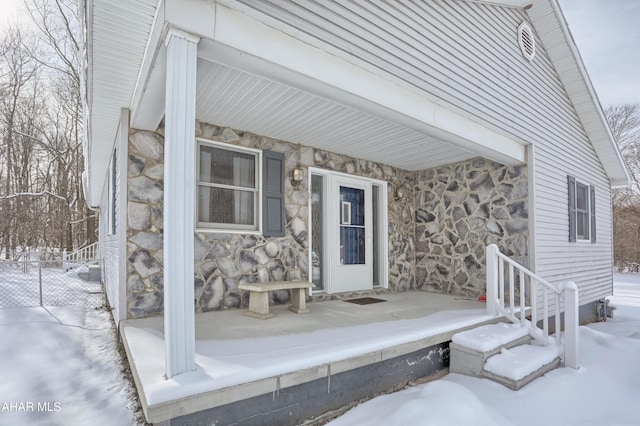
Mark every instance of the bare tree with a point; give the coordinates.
(41, 164)
(19, 75)
(624, 121)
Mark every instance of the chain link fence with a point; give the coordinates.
(27, 283)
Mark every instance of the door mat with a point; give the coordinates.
(365, 300)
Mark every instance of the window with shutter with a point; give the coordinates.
(228, 187)
(592, 205)
(572, 208)
(582, 219)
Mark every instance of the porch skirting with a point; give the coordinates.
(293, 405)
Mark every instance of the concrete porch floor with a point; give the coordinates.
(240, 357)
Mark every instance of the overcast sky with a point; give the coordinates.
(607, 33)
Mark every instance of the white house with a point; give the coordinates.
(422, 131)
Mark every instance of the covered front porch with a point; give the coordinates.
(338, 354)
(215, 75)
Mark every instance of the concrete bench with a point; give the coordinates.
(259, 296)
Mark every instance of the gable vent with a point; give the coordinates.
(526, 41)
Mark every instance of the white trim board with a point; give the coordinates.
(247, 44)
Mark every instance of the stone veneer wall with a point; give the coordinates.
(224, 260)
(437, 236)
(460, 209)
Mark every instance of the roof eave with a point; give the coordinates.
(597, 130)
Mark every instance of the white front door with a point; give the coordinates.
(351, 234)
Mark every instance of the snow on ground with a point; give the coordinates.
(20, 285)
(60, 366)
(605, 390)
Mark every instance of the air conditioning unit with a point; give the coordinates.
(604, 310)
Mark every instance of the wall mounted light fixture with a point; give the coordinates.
(400, 194)
(297, 176)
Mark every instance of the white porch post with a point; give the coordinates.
(492, 278)
(179, 190)
(571, 325)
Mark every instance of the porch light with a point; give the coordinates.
(400, 194)
(297, 177)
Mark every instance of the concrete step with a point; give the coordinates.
(520, 365)
(91, 273)
(469, 350)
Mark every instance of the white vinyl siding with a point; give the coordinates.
(109, 244)
(113, 244)
(466, 55)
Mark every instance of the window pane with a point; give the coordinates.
(582, 197)
(352, 251)
(352, 230)
(354, 198)
(317, 221)
(582, 226)
(221, 166)
(582, 212)
(226, 206)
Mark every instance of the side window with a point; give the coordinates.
(582, 215)
(112, 194)
(228, 187)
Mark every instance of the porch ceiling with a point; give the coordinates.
(243, 101)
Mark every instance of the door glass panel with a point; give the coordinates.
(317, 231)
(375, 247)
(352, 226)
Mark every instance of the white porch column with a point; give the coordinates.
(492, 278)
(179, 202)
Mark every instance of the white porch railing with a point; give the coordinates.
(518, 278)
(80, 256)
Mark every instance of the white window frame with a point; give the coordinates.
(112, 196)
(256, 228)
(583, 238)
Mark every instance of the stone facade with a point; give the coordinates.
(435, 234)
(225, 260)
(144, 224)
(460, 209)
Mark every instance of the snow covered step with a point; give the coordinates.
(491, 336)
(469, 350)
(520, 365)
(90, 273)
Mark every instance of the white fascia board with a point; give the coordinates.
(192, 16)
(92, 191)
(519, 4)
(247, 44)
(568, 64)
(195, 17)
(147, 102)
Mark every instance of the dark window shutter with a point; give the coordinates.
(592, 212)
(572, 208)
(272, 194)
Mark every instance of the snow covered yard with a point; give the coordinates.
(26, 284)
(605, 390)
(60, 366)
